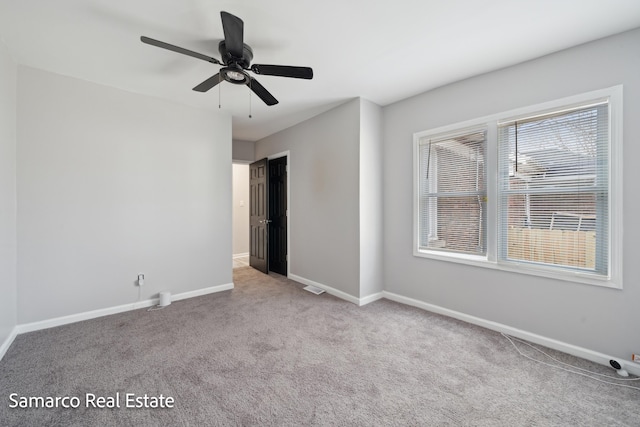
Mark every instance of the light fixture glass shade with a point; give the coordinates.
(235, 75)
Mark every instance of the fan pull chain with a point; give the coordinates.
(250, 90)
(219, 90)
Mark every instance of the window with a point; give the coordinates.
(453, 192)
(536, 191)
(553, 186)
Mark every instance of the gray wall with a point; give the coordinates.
(596, 318)
(111, 184)
(244, 151)
(8, 248)
(371, 178)
(324, 213)
(240, 208)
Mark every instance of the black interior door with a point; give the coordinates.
(277, 220)
(258, 208)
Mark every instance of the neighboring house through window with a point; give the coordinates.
(453, 193)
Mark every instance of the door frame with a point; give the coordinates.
(286, 154)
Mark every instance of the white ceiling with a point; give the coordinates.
(383, 51)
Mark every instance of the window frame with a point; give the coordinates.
(613, 95)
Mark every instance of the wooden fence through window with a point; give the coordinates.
(559, 247)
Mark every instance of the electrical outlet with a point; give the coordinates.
(635, 358)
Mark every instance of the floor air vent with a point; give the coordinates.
(314, 290)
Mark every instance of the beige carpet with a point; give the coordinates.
(270, 353)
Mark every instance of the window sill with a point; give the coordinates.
(522, 268)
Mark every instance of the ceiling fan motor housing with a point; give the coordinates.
(229, 59)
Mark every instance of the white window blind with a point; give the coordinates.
(452, 192)
(553, 184)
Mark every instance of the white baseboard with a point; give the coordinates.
(242, 255)
(7, 342)
(78, 317)
(574, 350)
(64, 320)
(371, 298)
(200, 292)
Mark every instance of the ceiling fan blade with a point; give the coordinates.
(283, 71)
(259, 90)
(178, 49)
(233, 34)
(209, 83)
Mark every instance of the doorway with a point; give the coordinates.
(268, 221)
(240, 214)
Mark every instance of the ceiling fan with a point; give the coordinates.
(236, 60)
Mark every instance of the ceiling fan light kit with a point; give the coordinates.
(236, 60)
(235, 76)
